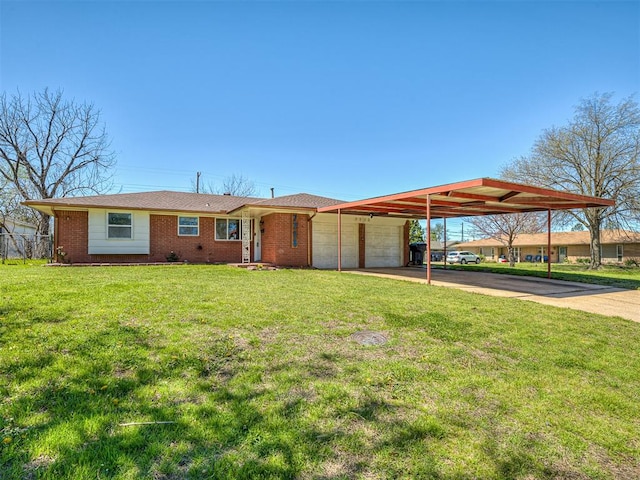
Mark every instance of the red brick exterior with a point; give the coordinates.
(277, 239)
(201, 249)
(72, 237)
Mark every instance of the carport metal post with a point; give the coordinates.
(339, 240)
(444, 243)
(428, 240)
(548, 243)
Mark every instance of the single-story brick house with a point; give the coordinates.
(202, 228)
(618, 246)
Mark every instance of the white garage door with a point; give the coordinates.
(325, 245)
(383, 246)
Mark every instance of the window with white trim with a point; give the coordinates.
(189, 226)
(228, 229)
(619, 252)
(119, 225)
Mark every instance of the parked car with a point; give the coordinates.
(462, 257)
(503, 259)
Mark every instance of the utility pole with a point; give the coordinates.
(198, 181)
(462, 238)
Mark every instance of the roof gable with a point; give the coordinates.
(299, 200)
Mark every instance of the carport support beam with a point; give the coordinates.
(339, 240)
(548, 243)
(428, 233)
(444, 243)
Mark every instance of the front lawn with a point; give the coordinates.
(173, 372)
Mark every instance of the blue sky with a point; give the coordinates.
(346, 99)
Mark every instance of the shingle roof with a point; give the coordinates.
(559, 238)
(300, 200)
(183, 202)
(160, 200)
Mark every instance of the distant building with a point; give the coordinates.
(16, 238)
(617, 246)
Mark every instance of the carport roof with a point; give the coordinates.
(482, 196)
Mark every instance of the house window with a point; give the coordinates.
(294, 230)
(516, 253)
(228, 229)
(188, 226)
(119, 225)
(493, 252)
(619, 252)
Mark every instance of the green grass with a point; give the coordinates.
(610, 275)
(259, 378)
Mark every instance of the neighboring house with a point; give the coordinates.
(16, 238)
(203, 228)
(618, 246)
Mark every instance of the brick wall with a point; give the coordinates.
(201, 249)
(72, 236)
(277, 245)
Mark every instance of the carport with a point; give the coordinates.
(482, 196)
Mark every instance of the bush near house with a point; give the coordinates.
(185, 371)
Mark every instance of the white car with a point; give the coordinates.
(462, 257)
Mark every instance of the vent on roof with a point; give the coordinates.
(227, 193)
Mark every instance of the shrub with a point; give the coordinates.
(632, 262)
(172, 257)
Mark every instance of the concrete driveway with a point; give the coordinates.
(578, 296)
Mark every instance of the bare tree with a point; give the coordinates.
(10, 208)
(237, 185)
(506, 228)
(596, 154)
(50, 147)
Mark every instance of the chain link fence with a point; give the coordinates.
(25, 246)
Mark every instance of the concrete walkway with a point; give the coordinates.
(578, 296)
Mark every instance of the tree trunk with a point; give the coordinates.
(40, 242)
(512, 257)
(594, 245)
(43, 224)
